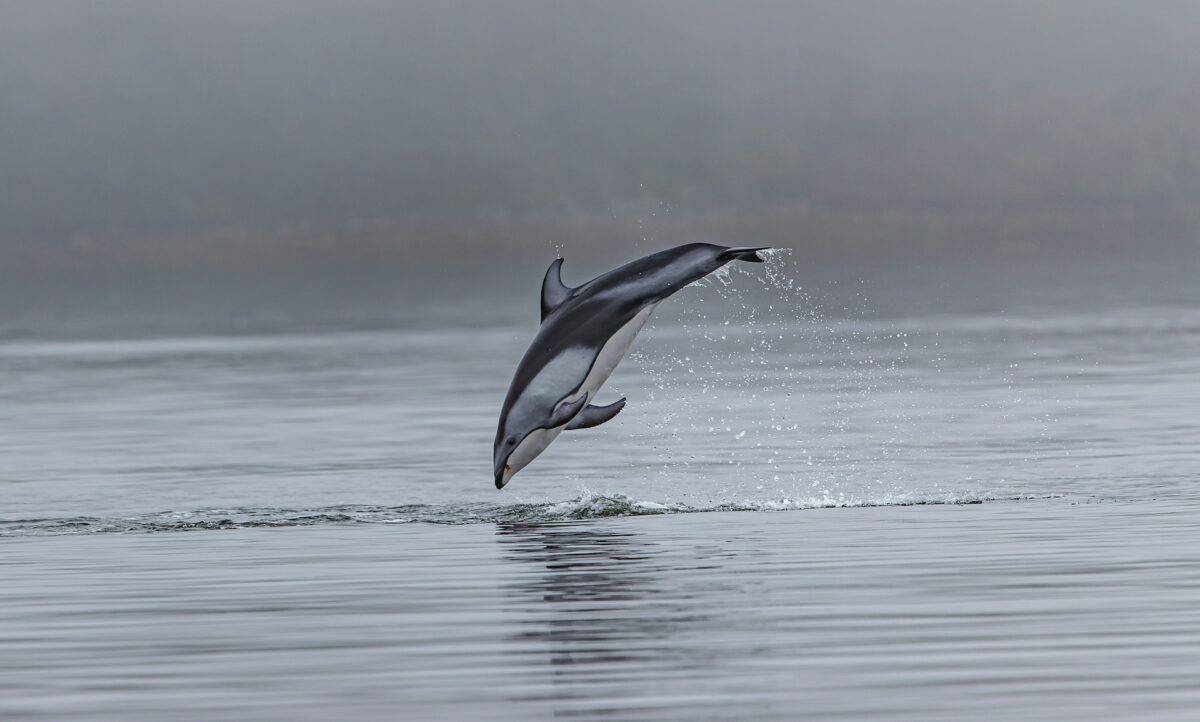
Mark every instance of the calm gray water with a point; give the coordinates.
(966, 511)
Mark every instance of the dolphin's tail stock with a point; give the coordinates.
(743, 254)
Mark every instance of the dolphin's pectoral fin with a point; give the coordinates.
(743, 254)
(554, 291)
(595, 415)
(565, 411)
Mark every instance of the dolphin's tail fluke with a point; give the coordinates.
(743, 254)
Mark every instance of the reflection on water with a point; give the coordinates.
(990, 610)
(595, 602)
(582, 564)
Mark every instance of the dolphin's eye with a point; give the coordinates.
(511, 440)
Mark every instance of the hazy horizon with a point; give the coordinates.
(264, 137)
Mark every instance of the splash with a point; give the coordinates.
(779, 391)
(585, 507)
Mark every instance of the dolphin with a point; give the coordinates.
(584, 334)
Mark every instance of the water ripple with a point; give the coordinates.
(587, 506)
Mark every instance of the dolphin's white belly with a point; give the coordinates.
(613, 351)
(606, 361)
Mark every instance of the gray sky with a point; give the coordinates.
(235, 134)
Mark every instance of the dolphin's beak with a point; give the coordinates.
(503, 475)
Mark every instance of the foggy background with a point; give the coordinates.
(264, 151)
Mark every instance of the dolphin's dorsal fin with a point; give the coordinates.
(554, 291)
(595, 415)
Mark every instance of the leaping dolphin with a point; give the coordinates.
(585, 333)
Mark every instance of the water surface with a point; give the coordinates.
(954, 511)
